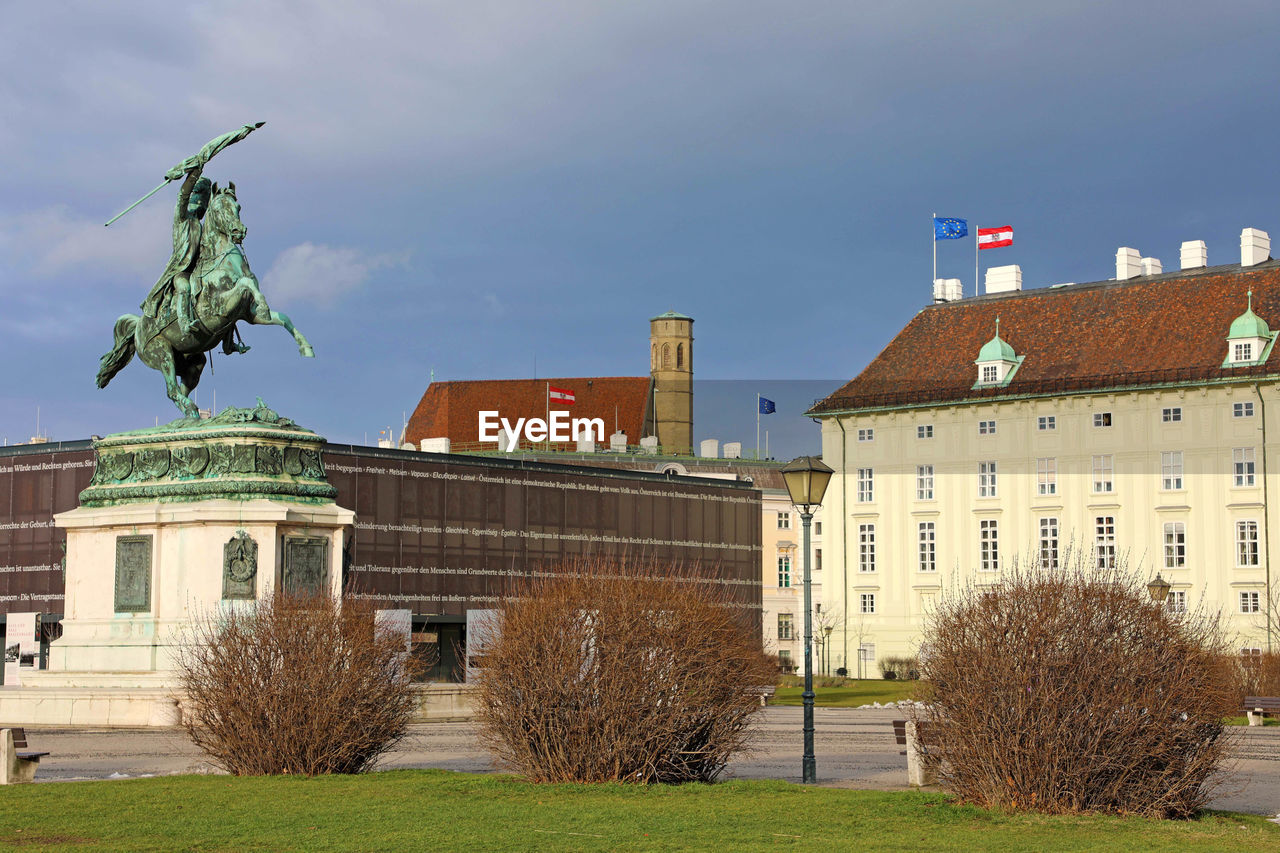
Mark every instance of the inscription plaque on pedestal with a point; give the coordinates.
(133, 574)
(239, 566)
(305, 567)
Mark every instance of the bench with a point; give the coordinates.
(17, 763)
(916, 737)
(1258, 707)
(765, 693)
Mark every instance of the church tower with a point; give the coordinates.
(671, 368)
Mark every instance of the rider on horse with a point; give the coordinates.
(193, 202)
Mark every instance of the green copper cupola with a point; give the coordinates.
(1249, 340)
(997, 362)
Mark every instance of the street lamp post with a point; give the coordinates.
(1158, 589)
(826, 648)
(806, 478)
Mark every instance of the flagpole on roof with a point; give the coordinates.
(975, 261)
(757, 425)
(934, 228)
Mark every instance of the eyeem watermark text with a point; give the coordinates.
(560, 428)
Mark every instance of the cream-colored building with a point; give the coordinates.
(783, 585)
(1128, 420)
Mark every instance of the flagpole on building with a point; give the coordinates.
(935, 248)
(975, 261)
(548, 416)
(757, 425)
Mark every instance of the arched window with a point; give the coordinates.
(679, 355)
(666, 356)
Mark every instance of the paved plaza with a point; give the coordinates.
(855, 749)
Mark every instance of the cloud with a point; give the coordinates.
(54, 241)
(321, 274)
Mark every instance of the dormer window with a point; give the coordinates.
(1249, 340)
(996, 362)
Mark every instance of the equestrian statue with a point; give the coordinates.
(206, 288)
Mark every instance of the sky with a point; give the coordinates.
(508, 189)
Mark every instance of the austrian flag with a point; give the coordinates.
(560, 395)
(994, 238)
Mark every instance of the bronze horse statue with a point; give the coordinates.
(225, 291)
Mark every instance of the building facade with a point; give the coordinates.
(1129, 422)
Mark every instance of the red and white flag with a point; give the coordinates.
(994, 238)
(560, 395)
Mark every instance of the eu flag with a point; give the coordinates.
(946, 228)
(766, 406)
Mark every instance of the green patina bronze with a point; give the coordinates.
(205, 289)
(238, 455)
(133, 574)
(239, 566)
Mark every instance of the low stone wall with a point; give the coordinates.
(136, 706)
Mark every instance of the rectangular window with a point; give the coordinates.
(1047, 475)
(986, 479)
(817, 559)
(1246, 544)
(784, 570)
(1249, 602)
(924, 482)
(866, 547)
(988, 545)
(817, 528)
(1105, 541)
(1175, 545)
(986, 427)
(1049, 543)
(1171, 470)
(1242, 460)
(1243, 352)
(1047, 422)
(867, 602)
(928, 547)
(990, 373)
(1171, 416)
(1102, 419)
(866, 435)
(924, 431)
(784, 521)
(1242, 410)
(1103, 469)
(1177, 601)
(784, 660)
(866, 485)
(786, 627)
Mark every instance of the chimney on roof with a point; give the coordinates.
(1004, 279)
(1128, 263)
(1255, 247)
(1152, 266)
(1194, 255)
(947, 290)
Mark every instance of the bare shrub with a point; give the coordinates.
(295, 684)
(615, 673)
(1258, 675)
(1071, 691)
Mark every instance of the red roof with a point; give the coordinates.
(1150, 330)
(451, 409)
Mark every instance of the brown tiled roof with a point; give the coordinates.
(451, 409)
(1150, 330)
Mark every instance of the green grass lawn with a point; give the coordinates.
(435, 809)
(850, 694)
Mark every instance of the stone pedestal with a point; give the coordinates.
(177, 522)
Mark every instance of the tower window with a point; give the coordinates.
(666, 356)
(679, 355)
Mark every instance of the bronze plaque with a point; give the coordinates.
(306, 569)
(133, 574)
(239, 566)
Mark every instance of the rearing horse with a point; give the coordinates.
(228, 293)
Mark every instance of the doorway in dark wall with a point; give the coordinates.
(439, 642)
